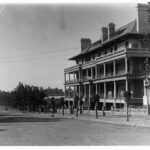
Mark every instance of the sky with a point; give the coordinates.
(36, 40)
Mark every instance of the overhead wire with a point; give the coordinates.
(20, 59)
(40, 53)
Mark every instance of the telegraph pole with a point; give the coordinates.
(147, 73)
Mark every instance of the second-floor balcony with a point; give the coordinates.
(130, 66)
(130, 74)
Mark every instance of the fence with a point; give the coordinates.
(132, 110)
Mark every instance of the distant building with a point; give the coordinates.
(113, 64)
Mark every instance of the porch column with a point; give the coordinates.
(69, 93)
(96, 72)
(115, 90)
(86, 72)
(104, 93)
(79, 90)
(92, 72)
(85, 90)
(126, 65)
(89, 90)
(105, 90)
(74, 91)
(104, 69)
(96, 88)
(114, 64)
(79, 75)
(74, 76)
(115, 96)
(69, 77)
(126, 84)
(65, 91)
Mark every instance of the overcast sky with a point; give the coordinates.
(37, 40)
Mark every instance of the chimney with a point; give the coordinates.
(104, 33)
(111, 29)
(85, 43)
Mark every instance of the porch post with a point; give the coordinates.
(74, 77)
(79, 75)
(65, 91)
(126, 65)
(114, 64)
(79, 90)
(126, 84)
(115, 96)
(96, 75)
(104, 69)
(115, 90)
(69, 77)
(89, 90)
(87, 72)
(96, 88)
(104, 93)
(92, 72)
(85, 90)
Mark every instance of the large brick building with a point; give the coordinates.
(113, 64)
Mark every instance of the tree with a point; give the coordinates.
(127, 96)
(62, 105)
(96, 100)
(76, 100)
(81, 104)
(53, 105)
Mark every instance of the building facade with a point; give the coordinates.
(111, 65)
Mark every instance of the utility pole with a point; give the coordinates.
(147, 84)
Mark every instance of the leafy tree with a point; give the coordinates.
(96, 100)
(62, 104)
(127, 96)
(76, 100)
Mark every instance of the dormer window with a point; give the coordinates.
(116, 47)
(126, 44)
(111, 49)
(99, 54)
(93, 56)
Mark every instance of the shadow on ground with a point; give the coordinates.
(14, 119)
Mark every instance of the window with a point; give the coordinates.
(111, 49)
(93, 56)
(127, 44)
(105, 52)
(89, 58)
(99, 54)
(116, 47)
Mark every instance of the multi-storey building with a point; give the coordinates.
(113, 64)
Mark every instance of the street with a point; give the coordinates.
(31, 130)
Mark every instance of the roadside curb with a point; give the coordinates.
(124, 123)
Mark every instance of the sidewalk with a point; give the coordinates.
(109, 118)
(120, 120)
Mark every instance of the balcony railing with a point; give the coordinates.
(93, 62)
(72, 81)
(109, 74)
(128, 51)
(138, 50)
(72, 69)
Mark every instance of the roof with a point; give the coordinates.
(124, 30)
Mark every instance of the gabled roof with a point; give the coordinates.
(124, 30)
